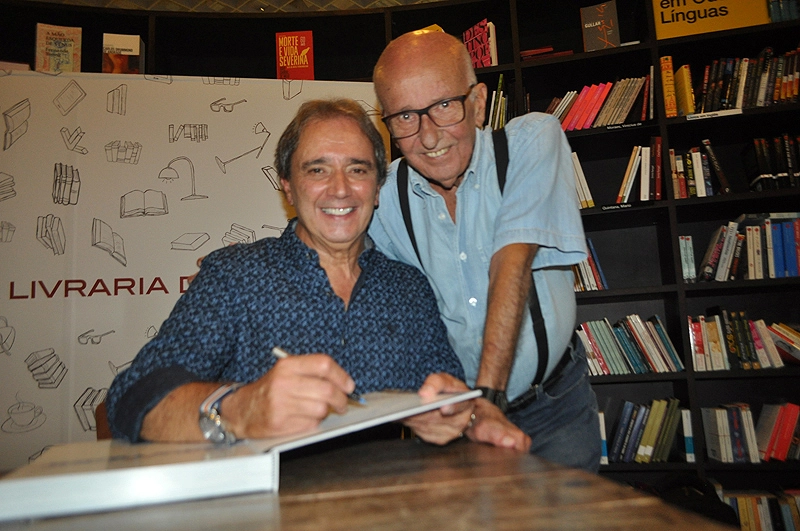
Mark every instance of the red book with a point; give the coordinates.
(596, 348)
(294, 52)
(576, 107)
(646, 100)
(598, 105)
(769, 451)
(785, 431)
(591, 99)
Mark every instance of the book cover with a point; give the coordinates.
(684, 94)
(688, 435)
(668, 87)
(123, 54)
(481, 42)
(600, 26)
(77, 477)
(58, 48)
(294, 52)
(766, 429)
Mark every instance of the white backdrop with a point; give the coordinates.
(73, 310)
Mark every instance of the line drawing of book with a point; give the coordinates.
(50, 233)
(6, 231)
(70, 96)
(46, 368)
(143, 203)
(6, 186)
(66, 184)
(86, 405)
(239, 234)
(103, 237)
(123, 151)
(117, 100)
(71, 140)
(272, 177)
(189, 241)
(16, 119)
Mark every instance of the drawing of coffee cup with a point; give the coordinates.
(24, 413)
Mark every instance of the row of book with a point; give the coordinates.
(612, 103)
(697, 173)
(783, 10)
(773, 164)
(732, 437)
(752, 247)
(724, 340)
(644, 163)
(499, 110)
(731, 83)
(647, 433)
(58, 49)
(588, 274)
(581, 186)
(765, 511)
(632, 345)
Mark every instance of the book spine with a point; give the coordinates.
(668, 87)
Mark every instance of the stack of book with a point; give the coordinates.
(588, 274)
(730, 84)
(725, 340)
(644, 163)
(499, 108)
(730, 434)
(762, 511)
(646, 433)
(772, 164)
(610, 104)
(752, 247)
(630, 346)
(581, 186)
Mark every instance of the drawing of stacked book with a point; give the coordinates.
(86, 405)
(239, 234)
(138, 203)
(50, 233)
(127, 152)
(103, 237)
(6, 186)
(16, 122)
(46, 368)
(66, 184)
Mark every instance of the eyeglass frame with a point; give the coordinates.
(424, 112)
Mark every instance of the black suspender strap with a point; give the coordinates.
(500, 141)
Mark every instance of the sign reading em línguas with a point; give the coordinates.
(678, 18)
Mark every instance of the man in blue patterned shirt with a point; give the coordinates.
(363, 322)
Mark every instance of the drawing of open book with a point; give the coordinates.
(103, 237)
(139, 203)
(78, 477)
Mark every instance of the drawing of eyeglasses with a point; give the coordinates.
(87, 336)
(227, 107)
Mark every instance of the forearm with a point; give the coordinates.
(509, 284)
(175, 417)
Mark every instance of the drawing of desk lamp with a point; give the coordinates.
(170, 174)
(258, 129)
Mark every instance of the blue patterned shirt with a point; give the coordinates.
(249, 298)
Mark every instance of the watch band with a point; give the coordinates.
(211, 423)
(496, 397)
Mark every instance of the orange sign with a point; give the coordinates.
(677, 18)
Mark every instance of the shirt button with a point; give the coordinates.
(473, 301)
(442, 215)
(477, 186)
(342, 341)
(463, 256)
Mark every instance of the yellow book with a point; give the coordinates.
(683, 90)
(668, 87)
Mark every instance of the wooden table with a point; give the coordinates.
(408, 485)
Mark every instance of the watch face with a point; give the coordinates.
(212, 428)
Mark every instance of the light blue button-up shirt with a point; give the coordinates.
(538, 205)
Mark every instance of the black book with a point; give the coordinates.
(731, 347)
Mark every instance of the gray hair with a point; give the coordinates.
(317, 110)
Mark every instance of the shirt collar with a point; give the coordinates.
(298, 246)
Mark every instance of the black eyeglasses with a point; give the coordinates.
(443, 113)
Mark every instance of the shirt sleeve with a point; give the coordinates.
(540, 203)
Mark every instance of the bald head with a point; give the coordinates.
(413, 54)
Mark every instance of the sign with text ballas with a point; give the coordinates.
(111, 187)
(678, 18)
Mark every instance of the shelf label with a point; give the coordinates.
(715, 114)
(677, 18)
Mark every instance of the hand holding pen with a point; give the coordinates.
(282, 354)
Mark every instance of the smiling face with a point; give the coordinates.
(416, 71)
(333, 185)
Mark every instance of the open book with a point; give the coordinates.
(147, 203)
(105, 238)
(106, 475)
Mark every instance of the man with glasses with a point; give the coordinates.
(495, 230)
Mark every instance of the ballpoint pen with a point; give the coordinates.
(355, 397)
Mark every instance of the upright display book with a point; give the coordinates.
(481, 41)
(600, 26)
(294, 51)
(108, 475)
(58, 48)
(123, 54)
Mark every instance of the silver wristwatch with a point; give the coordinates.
(211, 424)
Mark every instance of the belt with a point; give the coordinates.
(526, 398)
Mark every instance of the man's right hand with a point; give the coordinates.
(292, 397)
(492, 427)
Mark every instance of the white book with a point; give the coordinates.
(757, 256)
(603, 442)
(688, 434)
(742, 77)
(582, 180)
(699, 178)
(644, 175)
(107, 475)
(578, 186)
(631, 176)
(769, 345)
(750, 434)
(726, 255)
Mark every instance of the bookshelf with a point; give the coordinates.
(637, 246)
